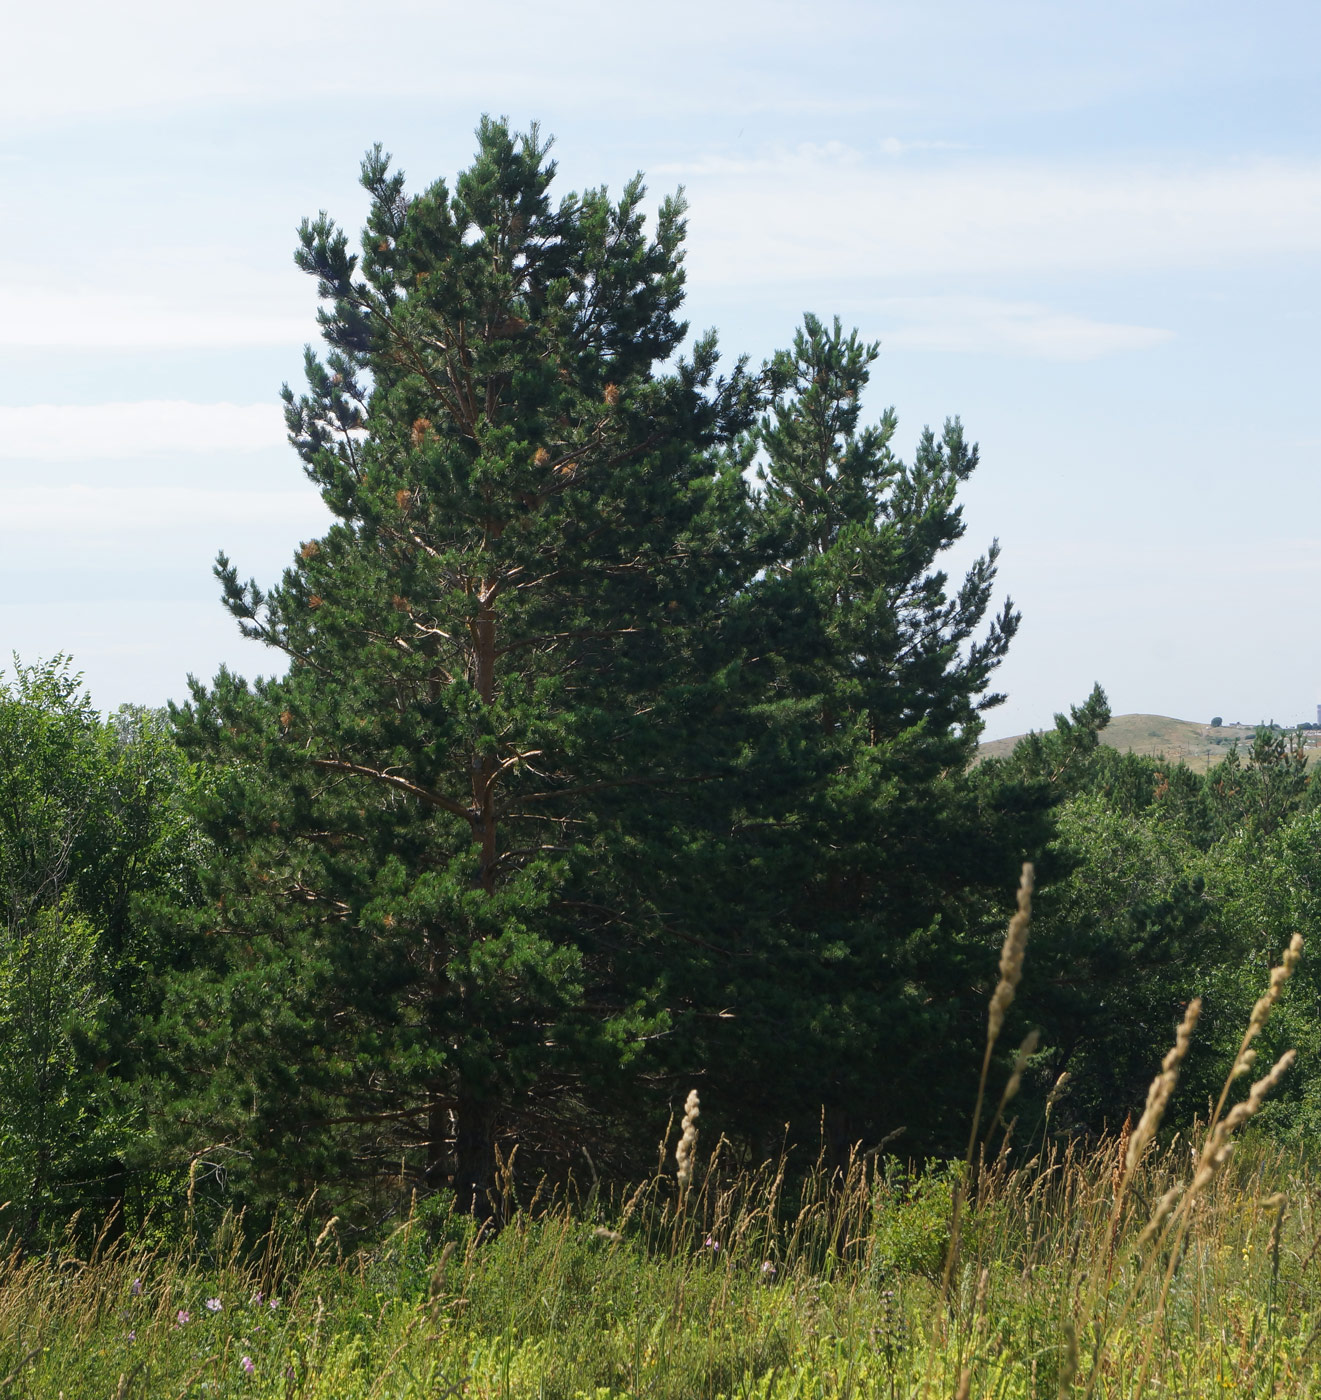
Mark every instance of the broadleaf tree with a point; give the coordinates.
(94, 836)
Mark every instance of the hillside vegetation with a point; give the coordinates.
(1157, 736)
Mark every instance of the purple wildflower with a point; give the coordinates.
(248, 1365)
(132, 1336)
(767, 1268)
(135, 1288)
(256, 1299)
(214, 1305)
(182, 1316)
(273, 1304)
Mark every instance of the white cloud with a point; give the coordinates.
(133, 649)
(814, 214)
(82, 432)
(68, 58)
(803, 158)
(35, 316)
(65, 512)
(984, 325)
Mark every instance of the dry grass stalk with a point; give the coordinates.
(1219, 1145)
(685, 1153)
(1279, 976)
(1025, 1052)
(1162, 1088)
(1011, 957)
(1160, 1215)
(1121, 1156)
(1058, 1091)
(1220, 1133)
(1011, 973)
(1069, 1361)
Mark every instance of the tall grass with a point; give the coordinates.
(1115, 1270)
(736, 1289)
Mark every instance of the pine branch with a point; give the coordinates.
(432, 799)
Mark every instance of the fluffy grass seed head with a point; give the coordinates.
(1069, 1358)
(1058, 1092)
(1261, 1012)
(1121, 1155)
(1160, 1215)
(1216, 1152)
(1025, 1052)
(1011, 956)
(1162, 1087)
(685, 1153)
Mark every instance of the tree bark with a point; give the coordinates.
(474, 1157)
(438, 1124)
(484, 765)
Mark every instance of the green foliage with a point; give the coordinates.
(555, 673)
(628, 742)
(94, 840)
(49, 1124)
(911, 1219)
(872, 868)
(1113, 946)
(505, 659)
(1266, 791)
(1163, 884)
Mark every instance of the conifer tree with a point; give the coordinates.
(869, 863)
(509, 638)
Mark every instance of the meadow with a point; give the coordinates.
(740, 1290)
(1050, 1268)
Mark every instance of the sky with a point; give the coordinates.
(1092, 231)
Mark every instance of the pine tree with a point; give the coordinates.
(507, 642)
(869, 862)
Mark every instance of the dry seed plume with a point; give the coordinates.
(1219, 1139)
(1069, 1361)
(1160, 1215)
(1025, 1052)
(1219, 1144)
(1261, 1012)
(1277, 1202)
(685, 1153)
(1057, 1093)
(1121, 1155)
(1011, 957)
(1162, 1087)
(1011, 972)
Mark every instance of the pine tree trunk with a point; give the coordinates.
(474, 1157)
(474, 1141)
(438, 1125)
(484, 765)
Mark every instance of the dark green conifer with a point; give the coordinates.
(871, 869)
(501, 646)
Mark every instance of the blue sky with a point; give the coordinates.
(1092, 230)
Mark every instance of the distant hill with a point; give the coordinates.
(1198, 745)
